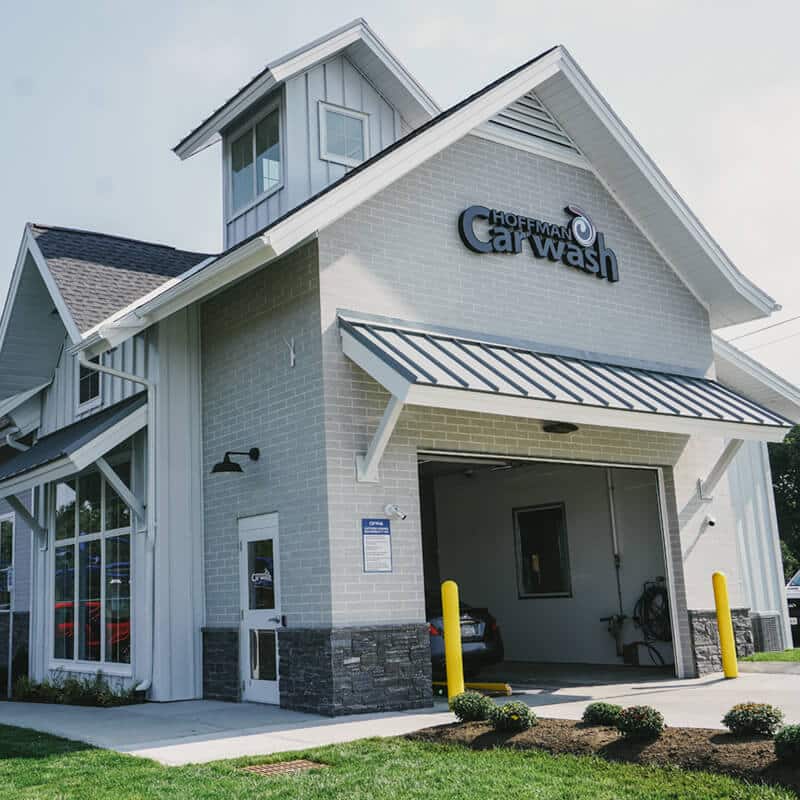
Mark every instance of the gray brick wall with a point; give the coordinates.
(252, 397)
(400, 255)
(22, 556)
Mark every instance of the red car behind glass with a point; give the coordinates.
(118, 632)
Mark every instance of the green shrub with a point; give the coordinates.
(753, 718)
(602, 714)
(471, 707)
(787, 744)
(640, 722)
(88, 691)
(513, 717)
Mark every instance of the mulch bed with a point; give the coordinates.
(747, 758)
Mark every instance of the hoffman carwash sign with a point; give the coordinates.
(576, 244)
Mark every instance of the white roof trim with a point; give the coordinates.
(662, 186)
(725, 352)
(389, 167)
(80, 459)
(293, 63)
(27, 246)
(8, 405)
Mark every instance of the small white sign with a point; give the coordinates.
(376, 536)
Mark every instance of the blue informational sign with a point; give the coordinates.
(376, 537)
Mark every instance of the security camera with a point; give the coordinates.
(394, 511)
(710, 521)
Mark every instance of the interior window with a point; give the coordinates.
(88, 382)
(256, 161)
(542, 554)
(344, 136)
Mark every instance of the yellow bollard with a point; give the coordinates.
(727, 642)
(451, 616)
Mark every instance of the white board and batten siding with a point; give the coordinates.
(60, 403)
(337, 82)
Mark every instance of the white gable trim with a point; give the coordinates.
(29, 246)
(293, 63)
(407, 154)
(662, 186)
(777, 389)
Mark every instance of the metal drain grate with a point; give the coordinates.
(284, 767)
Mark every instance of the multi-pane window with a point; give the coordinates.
(256, 161)
(88, 383)
(542, 553)
(92, 570)
(6, 562)
(343, 135)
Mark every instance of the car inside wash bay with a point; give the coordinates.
(472, 344)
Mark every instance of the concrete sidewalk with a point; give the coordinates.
(202, 730)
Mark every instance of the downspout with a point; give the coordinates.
(152, 526)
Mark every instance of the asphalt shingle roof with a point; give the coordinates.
(98, 274)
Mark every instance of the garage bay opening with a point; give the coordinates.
(557, 564)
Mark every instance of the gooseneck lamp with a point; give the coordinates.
(226, 465)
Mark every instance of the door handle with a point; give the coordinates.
(275, 619)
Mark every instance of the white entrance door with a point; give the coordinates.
(261, 607)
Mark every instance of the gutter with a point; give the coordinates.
(152, 525)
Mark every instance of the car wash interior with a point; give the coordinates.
(567, 558)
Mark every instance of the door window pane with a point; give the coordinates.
(118, 514)
(261, 574)
(89, 503)
(64, 592)
(89, 600)
(268, 153)
(118, 599)
(65, 510)
(242, 170)
(263, 655)
(542, 555)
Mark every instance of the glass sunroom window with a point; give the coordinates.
(92, 570)
(256, 161)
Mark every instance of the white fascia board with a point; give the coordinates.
(762, 302)
(529, 408)
(7, 406)
(726, 352)
(52, 288)
(80, 459)
(54, 471)
(11, 294)
(272, 75)
(392, 63)
(530, 145)
(109, 438)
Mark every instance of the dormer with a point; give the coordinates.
(305, 121)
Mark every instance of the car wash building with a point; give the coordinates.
(473, 344)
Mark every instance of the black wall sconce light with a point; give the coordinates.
(226, 465)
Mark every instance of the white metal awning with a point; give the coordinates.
(473, 373)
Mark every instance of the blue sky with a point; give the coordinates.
(94, 95)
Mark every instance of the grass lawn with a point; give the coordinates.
(782, 655)
(34, 765)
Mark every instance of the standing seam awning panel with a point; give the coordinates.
(429, 358)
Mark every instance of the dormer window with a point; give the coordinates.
(343, 135)
(255, 161)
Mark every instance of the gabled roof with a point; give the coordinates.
(617, 160)
(97, 274)
(363, 47)
(744, 374)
